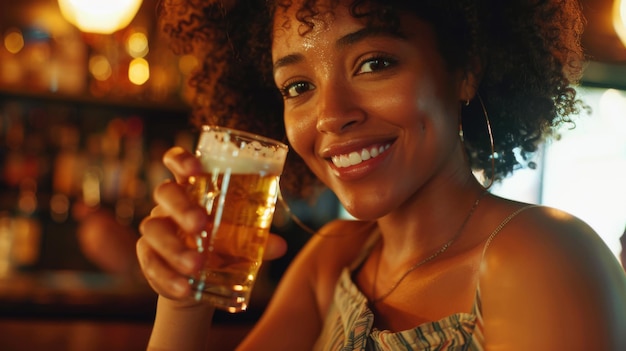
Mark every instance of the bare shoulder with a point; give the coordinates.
(342, 235)
(548, 275)
(306, 288)
(336, 245)
(327, 252)
(551, 236)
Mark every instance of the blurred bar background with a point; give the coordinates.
(85, 116)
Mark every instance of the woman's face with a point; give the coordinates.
(373, 114)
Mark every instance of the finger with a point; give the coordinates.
(181, 163)
(162, 278)
(157, 211)
(174, 201)
(160, 234)
(276, 247)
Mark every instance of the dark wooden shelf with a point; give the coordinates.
(113, 102)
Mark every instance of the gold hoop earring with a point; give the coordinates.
(292, 216)
(465, 104)
(491, 143)
(302, 225)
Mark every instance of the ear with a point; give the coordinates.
(468, 86)
(469, 81)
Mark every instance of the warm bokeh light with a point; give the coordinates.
(137, 45)
(14, 41)
(100, 68)
(91, 187)
(138, 71)
(99, 16)
(619, 19)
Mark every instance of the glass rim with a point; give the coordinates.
(244, 133)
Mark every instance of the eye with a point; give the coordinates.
(374, 64)
(296, 89)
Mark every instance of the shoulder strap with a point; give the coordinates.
(477, 310)
(504, 223)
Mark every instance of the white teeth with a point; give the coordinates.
(374, 152)
(344, 161)
(365, 155)
(354, 158)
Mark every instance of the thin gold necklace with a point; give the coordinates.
(441, 250)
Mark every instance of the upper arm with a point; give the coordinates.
(548, 282)
(294, 316)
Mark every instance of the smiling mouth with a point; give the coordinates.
(354, 158)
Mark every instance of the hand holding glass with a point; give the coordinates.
(238, 189)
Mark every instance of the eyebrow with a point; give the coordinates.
(290, 59)
(347, 40)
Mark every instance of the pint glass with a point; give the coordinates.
(238, 189)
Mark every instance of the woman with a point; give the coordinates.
(392, 104)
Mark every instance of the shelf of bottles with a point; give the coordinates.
(60, 159)
(84, 120)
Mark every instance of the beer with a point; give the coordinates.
(233, 241)
(238, 189)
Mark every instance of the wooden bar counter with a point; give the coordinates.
(85, 311)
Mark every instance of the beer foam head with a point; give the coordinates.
(240, 152)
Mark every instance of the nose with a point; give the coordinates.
(338, 109)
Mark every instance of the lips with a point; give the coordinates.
(356, 157)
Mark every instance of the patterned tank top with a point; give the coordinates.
(349, 322)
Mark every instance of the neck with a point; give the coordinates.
(418, 261)
(426, 222)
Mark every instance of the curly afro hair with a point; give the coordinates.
(529, 52)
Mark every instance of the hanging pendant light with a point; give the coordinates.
(619, 19)
(99, 16)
